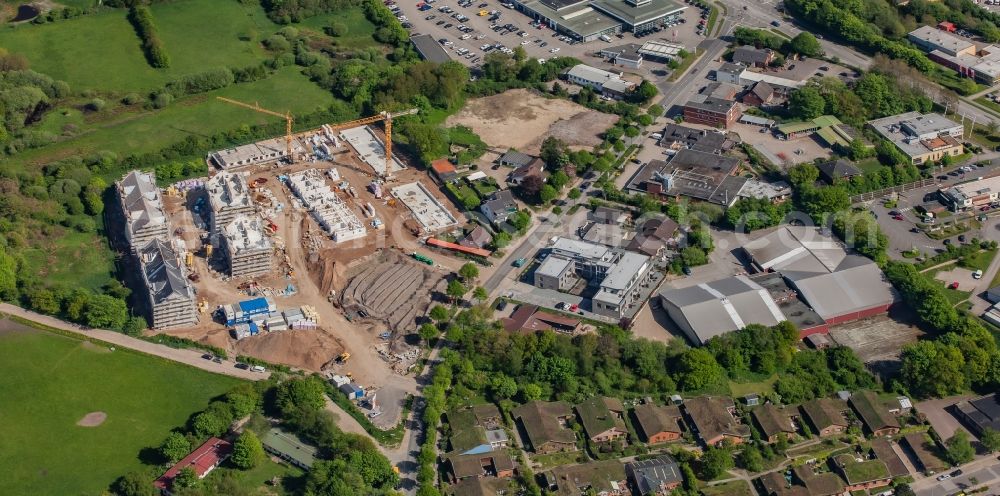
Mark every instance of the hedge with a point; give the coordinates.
(142, 20)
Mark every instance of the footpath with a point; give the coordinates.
(186, 356)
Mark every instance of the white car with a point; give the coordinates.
(465, 37)
(554, 50)
(541, 61)
(448, 43)
(944, 477)
(525, 42)
(479, 37)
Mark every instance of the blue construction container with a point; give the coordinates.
(243, 311)
(352, 391)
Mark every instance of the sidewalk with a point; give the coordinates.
(186, 356)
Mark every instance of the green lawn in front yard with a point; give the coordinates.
(49, 382)
(556, 459)
(979, 261)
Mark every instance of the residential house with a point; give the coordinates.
(713, 418)
(922, 448)
(862, 475)
(760, 94)
(498, 206)
(775, 422)
(534, 168)
(444, 170)
(826, 415)
(477, 238)
(657, 476)
(487, 415)
(803, 482)
(882, 450)
(655, 236)
(837, 170)
(602, 419)
(874, 414)
(604, 478)
(753, 57)
(202, 460)
(470, 436)
(474, 486)
(546, 426)
(515, 159)
(142, 206)
(530, 319)
(496, 464)
(608, 215)
(657, 424)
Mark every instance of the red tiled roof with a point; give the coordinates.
(442, 166)
(529, 318)
(202, 460)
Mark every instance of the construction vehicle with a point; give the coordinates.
(343, 358)
(287, 116)
(385, 117)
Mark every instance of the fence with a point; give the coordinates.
(871, 195)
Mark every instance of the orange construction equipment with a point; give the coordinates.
(459, 248)
(287, 116)
(386, 117)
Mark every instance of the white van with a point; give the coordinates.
(258, 368)
(656, 136)
(605, 37)
(978, 274)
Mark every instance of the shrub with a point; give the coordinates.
(95, 105)
(142, 20)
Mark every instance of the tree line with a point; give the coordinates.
(142, 20)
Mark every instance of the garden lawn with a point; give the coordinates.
(48, 382)
(103, 52)
(740, 389)
(359, 28)
(979, 261)
(203, 115)
(732, 488)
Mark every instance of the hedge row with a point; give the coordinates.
(142, 20)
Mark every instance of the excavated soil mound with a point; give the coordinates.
(92, 419)
(305, 349)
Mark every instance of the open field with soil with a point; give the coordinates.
(51, 383)
(522, 119)
(878, 340)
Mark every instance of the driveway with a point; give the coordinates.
(943, 422)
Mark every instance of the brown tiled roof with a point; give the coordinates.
(598, 415)
(541, 422)
(883, 451)
(824, 484)
(472, 465)
(773, 420)
(654, 419)
(872, 411)
(711, 417)
(825, 412)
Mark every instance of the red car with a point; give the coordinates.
(953, 285)
(574, 307)
(897, 217)
(984, 209)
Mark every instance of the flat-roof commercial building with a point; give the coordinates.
(248, 250)
(430, 49)
(170, 296)
(921, 137)
(588, 20)
(371, 150)
(678, 137)
(710, 111)
(616, 273)
(981, 413)
(695, 174)
(259, 153)
(288, 447)
(228, 197)
(931, 39)
(142, 205)
(972, 194)
(607, 83)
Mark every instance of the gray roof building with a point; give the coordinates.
(655, 476)
(515, 158)
(706, 310)
(429, 48)
(676, 136)
(169, 294)
(142, 205)
(748, 55)
(839, 169)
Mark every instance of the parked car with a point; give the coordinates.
(502, 305)
(953, 285)
(943, 477)
(961, 238)
(978, 274)
(242, 366)
(207, 356)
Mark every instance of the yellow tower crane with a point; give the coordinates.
(386, 117)
(287, 116)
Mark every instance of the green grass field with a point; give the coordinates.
(73, 259)
(48, 382)
(146, 131)
(191, 30)
(359, 28)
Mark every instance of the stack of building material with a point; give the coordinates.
(293, 315)
(274, 324)
(310, 313)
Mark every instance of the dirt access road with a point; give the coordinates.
(522, 119)
(189, 357)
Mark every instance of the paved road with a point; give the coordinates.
(190, 357)
(985, 470)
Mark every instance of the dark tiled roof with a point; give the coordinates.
(596, 415)
(711, 416)
(654, 419)
(541, 422)
(825, 412)
(773, 420)
(884, 452)
(649, 475)
(872, 412)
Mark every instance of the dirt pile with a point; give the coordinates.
(391, 288)
(307, 349)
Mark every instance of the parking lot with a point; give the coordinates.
(468, 36)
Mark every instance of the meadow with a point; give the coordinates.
(49, 382)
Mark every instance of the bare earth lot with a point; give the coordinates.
(878, 340)
(522, 119)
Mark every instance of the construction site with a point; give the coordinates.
(329, 230)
